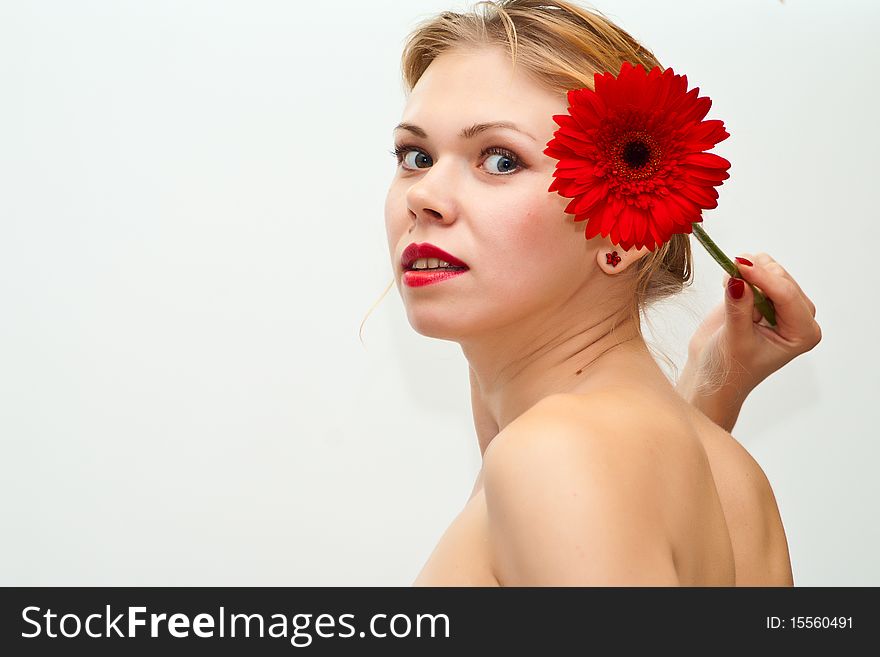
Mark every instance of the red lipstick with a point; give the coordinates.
(424, 276)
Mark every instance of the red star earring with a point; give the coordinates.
(612, 258)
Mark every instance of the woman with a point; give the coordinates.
(596, 470)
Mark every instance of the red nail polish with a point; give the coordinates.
(735, 287)
(743, 261)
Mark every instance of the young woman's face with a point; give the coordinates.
(483, 199)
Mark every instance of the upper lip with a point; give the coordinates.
(426, 250)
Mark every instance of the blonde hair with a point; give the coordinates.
(561, 46)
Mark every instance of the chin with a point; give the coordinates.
(435, 323)
(442, 320)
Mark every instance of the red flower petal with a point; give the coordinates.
(687, 209)
(709, 160)
(709, 131)
(663, 219)
(700, 195)
(710, 175)
(584, 202)
(624, 223)
(594, 224)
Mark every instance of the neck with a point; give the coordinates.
(513, 369)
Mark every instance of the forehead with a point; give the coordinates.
(465, 86)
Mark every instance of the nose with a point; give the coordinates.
(427, 214)
(431, 199)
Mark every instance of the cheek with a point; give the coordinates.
(538, 236)
(539, 255)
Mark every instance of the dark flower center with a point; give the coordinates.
(636, 154)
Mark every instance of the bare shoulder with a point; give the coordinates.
(604, 421)
(574, 495)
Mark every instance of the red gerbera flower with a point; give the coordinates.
(631, 156)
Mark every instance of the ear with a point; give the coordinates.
(612, 259)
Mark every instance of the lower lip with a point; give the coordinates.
(417, 278)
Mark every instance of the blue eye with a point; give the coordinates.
(508, 161)
(402, 151)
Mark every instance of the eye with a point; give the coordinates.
(402, 151)
(507, 164)
(508, 161)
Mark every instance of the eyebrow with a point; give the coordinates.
(466, 133)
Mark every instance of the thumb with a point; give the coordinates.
(739, 306)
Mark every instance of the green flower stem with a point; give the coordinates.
(762, 303)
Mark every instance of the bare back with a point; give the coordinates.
(722, 514)
(758, 537)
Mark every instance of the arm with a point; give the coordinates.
(734, 348)
(719, 399)
(569, 509)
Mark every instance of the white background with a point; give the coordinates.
(191, 232)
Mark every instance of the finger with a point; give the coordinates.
(769, 262)
(756, 314)
(738, 311)
(789, 301)
(775, 267)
